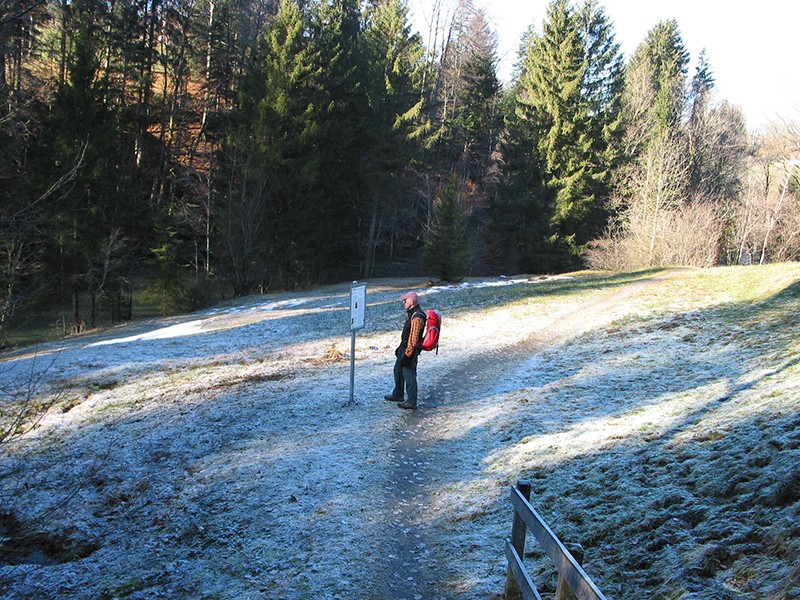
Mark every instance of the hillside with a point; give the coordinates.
(657, 415)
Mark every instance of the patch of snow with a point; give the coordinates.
(172, 331)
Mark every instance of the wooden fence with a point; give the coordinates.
(573, 582)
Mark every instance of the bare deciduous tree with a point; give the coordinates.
(657, 184)
(688, 234)
(766, 220)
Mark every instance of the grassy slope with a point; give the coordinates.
(677, 461)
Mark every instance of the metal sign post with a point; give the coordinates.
(358, 305)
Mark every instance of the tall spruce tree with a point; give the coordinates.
(340, 72)
(476, 120)
(567, 96)
(288, 131)
(462, 120)
(655, 86)
(519, 223)
(270, 194)
(603, 83)
(462, 114)
(394, 56)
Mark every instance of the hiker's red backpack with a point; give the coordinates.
(431, 339)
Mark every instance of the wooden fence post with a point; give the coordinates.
(518, 530)
(562, 588)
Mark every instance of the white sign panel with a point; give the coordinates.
(358, 305)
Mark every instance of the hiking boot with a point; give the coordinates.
(391, 398)
(407, 404)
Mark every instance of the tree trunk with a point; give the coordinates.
(77, 324)
(774, 217)
(369, 263)
(3, 45)
(93, 311)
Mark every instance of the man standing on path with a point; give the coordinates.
(405, 367)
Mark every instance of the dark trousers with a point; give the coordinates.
(405, 376)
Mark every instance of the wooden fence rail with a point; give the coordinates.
(573, 580)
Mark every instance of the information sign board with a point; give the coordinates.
(358, 305)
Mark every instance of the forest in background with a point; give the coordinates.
(191, 150)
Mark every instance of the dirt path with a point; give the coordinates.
(417, 554)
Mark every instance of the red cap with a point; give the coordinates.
(411, 295)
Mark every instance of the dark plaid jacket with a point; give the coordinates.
(412, 331)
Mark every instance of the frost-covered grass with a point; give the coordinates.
(656, 414)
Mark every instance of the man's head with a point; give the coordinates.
(409, 299)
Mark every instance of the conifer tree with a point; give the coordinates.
(394, 56)
(655, 86)
(88, 224)
(288, 130)
(340, 66)
(603, 83)
(567, 94)
(271, 163)
(655, 177)
(476, 121)
(462, 118)
(519, 221)
(446, 250)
